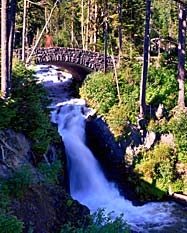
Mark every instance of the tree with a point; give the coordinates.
(4, 50)
(181, 53)
(24, 29)
(145, 61)
(11, 33)
(8, 11)
(105, 34)
(120, 27)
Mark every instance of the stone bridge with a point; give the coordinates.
(91, 60)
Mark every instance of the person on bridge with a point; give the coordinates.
(48, 41)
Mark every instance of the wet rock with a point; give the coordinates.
(103, 145)
(102, 141)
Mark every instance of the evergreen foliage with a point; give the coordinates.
(10, 224)
(50, 172)
(26, 110)
(16, 185)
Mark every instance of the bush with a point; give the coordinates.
(158, 166)
(16, 185)
(177, 186)
(117, 119)
(162, 87)
(10, 224)
(50, 172)
(99, 91)
(100, 223)
(178, 127)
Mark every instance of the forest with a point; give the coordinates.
(143, 98)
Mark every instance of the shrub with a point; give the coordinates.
(4, 196)
(158, 166)
(117, 119)
(178, 127)
(100, 223)
(16, 185)
(162, 88)
(99, 91)
(177, 186)
(10, 224)
(50, 172)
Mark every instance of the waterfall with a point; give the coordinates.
(85, 174)
(88, 184)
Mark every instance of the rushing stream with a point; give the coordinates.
(89, 186)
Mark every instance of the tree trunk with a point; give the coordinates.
(87, 25)
(24, 30)
(105, 34)
(11, 32)
(145, 61)
(82, 24)
(4, 50)
(72, 24)
(181, 55)
(120, 28)
(95, 26)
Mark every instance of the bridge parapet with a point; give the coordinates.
(92, 60)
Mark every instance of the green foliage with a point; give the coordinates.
(100, 223)
(69, 202)
(4, 196)
(50, 172)
(16, 185)
(99, 91)
(10, 224)
(162, 88)
(178, 127)
(147, 191)
(117, 119)
(157, 166)
(8, 112)
(164, 18)
(161, 126)
(177, 186)
(26, 110)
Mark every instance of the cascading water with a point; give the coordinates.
(89, 186)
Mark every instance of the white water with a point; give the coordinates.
(87, 182)
(89, 186)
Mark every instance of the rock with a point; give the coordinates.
(15, 152)
(45, 209)
(149, 139)
(102, 141)
(168, 139)
(160, 111)
(103, 145)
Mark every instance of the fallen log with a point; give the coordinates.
(180, 198)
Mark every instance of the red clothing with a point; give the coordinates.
(48, 41)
